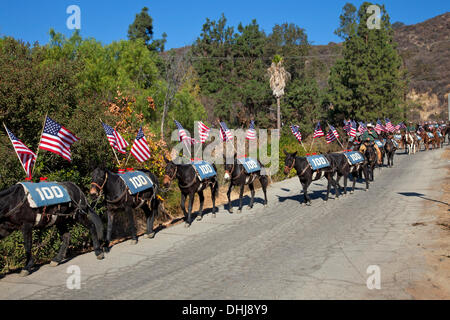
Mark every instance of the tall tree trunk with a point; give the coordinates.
(278, 115)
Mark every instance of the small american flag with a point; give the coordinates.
(57, 139)
(296, 133)
(25, 155)
(225, 133)
(379, 127)
(362, 127)
(203, 131)
(115, 139)
(330, 137)
(389, 126)
(140, 149)
(347, 125)
(318, 131)
(335, 133)
(251, 132)
(182, 135)
(352, 130)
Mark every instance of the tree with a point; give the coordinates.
(278, 78)
(348, 21)
(368, 82)
(142, 28)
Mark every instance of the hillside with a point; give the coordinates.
(425, 49)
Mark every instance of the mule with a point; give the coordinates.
(190, 184)
(16, 214)
(408, 140)
(117, 197)
(370, 154)
(344, 169)
(238, 176)
(306, 175)
(390, 149)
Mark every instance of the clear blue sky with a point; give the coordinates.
(182, 20)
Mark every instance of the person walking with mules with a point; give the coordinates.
(370, 136)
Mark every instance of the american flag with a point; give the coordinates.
(389, 126)
(140, 149)
(347, 125)
(379, 127)
(296, 132)
(336, 134)
(330, 137)
(318, 131)
(225, 133)
(115, 139)
(182, 135)
(362, 128)
(352, 131)
(57, 139)
(251, 132)
(25, 155)
(203, 131)
(402, 125)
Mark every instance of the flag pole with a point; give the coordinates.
(336, 137)
(15, 151)
(40, 139)
(312, 142)
(114, 151)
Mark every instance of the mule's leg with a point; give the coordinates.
(28, 242)
(129, 213)
(191, 202)
(241, 194)
(354, 182)
(183, 205)
(109, 229)
(252, 192)
(264, 182)
(202, 200)
(305, 192)
(345, 182)
(214, 189)
(89, 223)
(62, 228)
(230, 209)
(150, 217)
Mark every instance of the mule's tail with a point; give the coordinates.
(95, 219)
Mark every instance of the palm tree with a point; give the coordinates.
(278, 78)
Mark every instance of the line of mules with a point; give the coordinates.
(16, 213)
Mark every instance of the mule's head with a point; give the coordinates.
(289, 161)
(98, 181)
(170, 172)
(229, 165)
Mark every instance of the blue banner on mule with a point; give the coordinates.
(317, 162)
(418, 137)
(44, 194)
(379, 143)
(430, 135)
(395, 143)
(136, 181)
(354, 157)
(250, 165)
(397, 136)
(204, 169)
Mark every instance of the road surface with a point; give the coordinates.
(284, 251)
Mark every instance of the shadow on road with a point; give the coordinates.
(420, 195)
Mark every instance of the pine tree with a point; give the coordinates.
(368, 82)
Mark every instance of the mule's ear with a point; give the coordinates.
(284, 150)
(165, 159)
(235, 155)
(294, 154)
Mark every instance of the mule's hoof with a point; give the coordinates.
(150, 235)
(186, 225)
(133, 242)
(239, 211)
(304, 204)
(199, 218)
(249, 208)
(24, 273)
(101, 256)
(266, 205)
(53, 263)
(352, 192)
(106, 249)
(308, 204)
(214, 215)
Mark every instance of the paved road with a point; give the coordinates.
(284, 251)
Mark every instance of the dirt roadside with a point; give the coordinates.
(436, 282)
